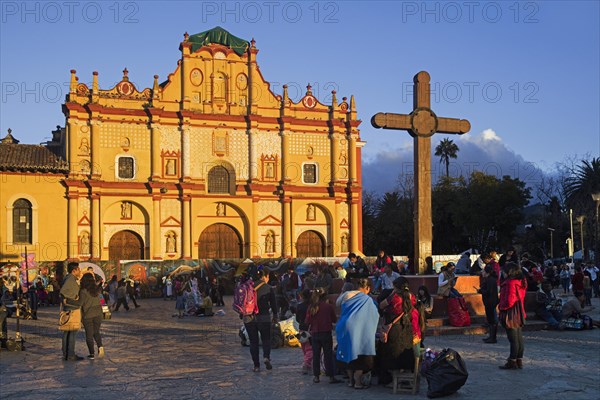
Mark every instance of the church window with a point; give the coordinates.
(126, 167)
(219, 180)
(22, 222)
(309, 173)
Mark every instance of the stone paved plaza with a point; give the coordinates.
(150, 355)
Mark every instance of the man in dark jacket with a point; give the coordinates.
(489, 295)
(261, 322)
(69, 293)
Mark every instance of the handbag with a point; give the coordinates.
(383, 330)
(106, 314)
(70, 320)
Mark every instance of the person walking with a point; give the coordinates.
(70, 301)
(121, 296)
(512, 313)
(91, 314)
(261, 321)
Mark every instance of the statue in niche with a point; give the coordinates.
(84, 147)
(84, 243)
(269, 243)
(86, 166)
(344, 243)
(171, 243)
(125, 210)
(220, 210)
(310, 213)
(170, 167)
(269, 170)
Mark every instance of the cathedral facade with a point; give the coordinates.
(209, 163)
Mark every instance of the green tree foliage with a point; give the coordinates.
(446, 150)
(464, 214)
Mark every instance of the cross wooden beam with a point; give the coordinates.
(421, 124)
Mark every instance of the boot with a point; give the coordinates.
(492, 334)
(520, 363)
(510, 364)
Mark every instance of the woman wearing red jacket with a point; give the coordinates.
(512, 296)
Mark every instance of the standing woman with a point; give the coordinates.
(91, 314)
(489, 296)
(112, 291)
(512, 313)
(320, 319)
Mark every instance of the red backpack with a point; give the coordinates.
(244, 298)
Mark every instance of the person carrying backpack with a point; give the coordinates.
(257, 307)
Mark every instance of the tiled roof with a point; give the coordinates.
(30, 157)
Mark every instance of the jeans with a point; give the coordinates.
(92, 332)
(322, 340)
(551, 317)
(565, 282)
(253, 328)
(596, 286)
(588, 296)
(491, 315)
(517, 345)
(68, 344)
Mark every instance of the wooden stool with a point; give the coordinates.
(400, 375)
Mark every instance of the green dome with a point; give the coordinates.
(218, 35)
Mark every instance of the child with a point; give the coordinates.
(121, 296)
(303, 327)
(587, 289)
(206, 309)
(320, 318)
(179, 300)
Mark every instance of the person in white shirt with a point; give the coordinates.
(593, 270)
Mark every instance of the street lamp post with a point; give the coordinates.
(551, 244)
(580, 219)
(596, 197)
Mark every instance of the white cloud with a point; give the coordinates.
(482, 152)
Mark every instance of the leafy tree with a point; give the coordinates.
(369, 218)
(446, 150)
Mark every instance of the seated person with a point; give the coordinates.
(575, 306)
(447, 280)
(548, 307)
(206, 308)
(355, 267)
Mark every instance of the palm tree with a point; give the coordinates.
(446, 150)
(582, 183)
(578, 189)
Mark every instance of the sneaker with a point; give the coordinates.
(256, 369)
(101, 351)
(91, 357)
(268, 364)
(74, 358)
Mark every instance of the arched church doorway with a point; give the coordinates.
(125, 245)
(310, 244)
(220, 241)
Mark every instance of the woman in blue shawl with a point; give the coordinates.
(355, 332)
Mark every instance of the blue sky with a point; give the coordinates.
(525, 73)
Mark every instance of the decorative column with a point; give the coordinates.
(186, 247)
(95, 139)
(96, 240)
(155, 237)
(335, 151)
(155, 165)
(352, 158)
(71, 144)
(354, 234)
(285, 151)
(287, 247)
(255, 245)
(252, 160)
(72, 237)
(185, 150)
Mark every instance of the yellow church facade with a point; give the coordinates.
(209, 163)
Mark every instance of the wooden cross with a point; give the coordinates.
(421, 124)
